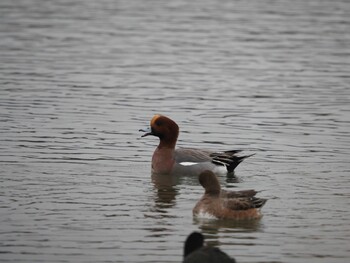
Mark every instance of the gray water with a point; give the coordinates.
(80, 78)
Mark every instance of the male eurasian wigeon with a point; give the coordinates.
(168, 160)
(238, 205)
(195, 251)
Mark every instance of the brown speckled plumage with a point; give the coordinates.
(236, 205)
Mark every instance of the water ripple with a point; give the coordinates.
(79, 79)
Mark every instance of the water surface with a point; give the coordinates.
(80, 78)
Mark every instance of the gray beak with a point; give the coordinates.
(147, 131)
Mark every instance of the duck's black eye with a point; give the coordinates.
(159, 122)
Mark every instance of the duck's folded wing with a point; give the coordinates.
(244, 203)
(229, 159)
(235, 194)
(203, 155)
(192, 155)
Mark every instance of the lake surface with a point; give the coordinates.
(80, 78)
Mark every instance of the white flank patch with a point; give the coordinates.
(220, 169)
(205, 215)
(188, 163)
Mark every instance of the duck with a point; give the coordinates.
(167, 159)
(195, 251)
(223, 204)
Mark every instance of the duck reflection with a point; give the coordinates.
(231, 178)
(212, 226)
(214, 229)
(165, 189)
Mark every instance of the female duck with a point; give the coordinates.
(239, 205)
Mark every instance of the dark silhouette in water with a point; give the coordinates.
(195, 251)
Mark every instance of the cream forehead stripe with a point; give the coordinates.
(155, 117)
